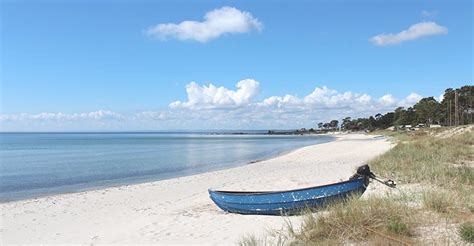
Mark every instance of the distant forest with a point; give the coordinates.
(456, 108)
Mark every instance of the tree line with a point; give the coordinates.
(456, 108)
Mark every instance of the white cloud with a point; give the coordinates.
(47, 121)
(415, 31)
(212, 107)
(320, 97)
(323, 103)
(429, 14)
(151, 115)
(215, 24)
(59, 116)
(387, 100)
(364, 99)
(440, 98)
(325, 97)
(211, 96)
(281, 101)
(410, 100)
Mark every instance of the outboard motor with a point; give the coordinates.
(364, 171)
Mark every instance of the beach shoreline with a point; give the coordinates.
(150, 167)
(178, 210)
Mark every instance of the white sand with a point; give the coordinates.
(179, 210)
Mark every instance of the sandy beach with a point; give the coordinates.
(179, 210)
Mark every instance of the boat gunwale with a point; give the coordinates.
(249, 193)
(304, 200)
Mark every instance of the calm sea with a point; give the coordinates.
(37, 164)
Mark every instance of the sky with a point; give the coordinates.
(197, 65)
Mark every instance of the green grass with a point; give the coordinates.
(438, 201)
(466, 232)
(443, 165)
(355, 220)
(431, 160)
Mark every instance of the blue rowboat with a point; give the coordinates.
(292, 201)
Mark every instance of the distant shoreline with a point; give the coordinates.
(132, 179)
(172, 208)
(256, 132)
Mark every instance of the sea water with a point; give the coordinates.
(38, 164)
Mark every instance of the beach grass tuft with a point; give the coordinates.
(438, 201)
(466, 231)
(354, 220)
(249, 240)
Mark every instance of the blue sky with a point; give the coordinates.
(85, 65)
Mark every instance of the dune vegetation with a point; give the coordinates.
(433, 204)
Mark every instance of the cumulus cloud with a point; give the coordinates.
(410, 100)
(323, 103)
(323, 96)
(320, 97)
(281, 101)
(216, 107)
(388, 100)
(210, 96)
(225, 20)
(415, 31)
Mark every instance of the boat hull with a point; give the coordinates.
(287, 202)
